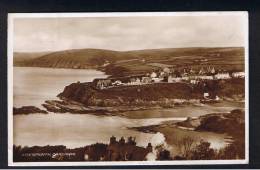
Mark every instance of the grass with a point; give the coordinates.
(132, 61)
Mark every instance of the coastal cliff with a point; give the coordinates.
(149, 94)
(155, 94)
(85, 98)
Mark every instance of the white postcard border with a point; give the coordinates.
(12, 16)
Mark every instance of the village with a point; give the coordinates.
(169, 75)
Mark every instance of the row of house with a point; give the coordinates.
(203, 71)
(166, 75)
(197, 78)
(128, 80)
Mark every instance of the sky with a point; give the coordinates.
(127, 33)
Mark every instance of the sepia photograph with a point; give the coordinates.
(135, 88)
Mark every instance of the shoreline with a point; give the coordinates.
(72, 107)
(203, 124)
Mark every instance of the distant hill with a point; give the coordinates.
(21, 57)
(139, 61)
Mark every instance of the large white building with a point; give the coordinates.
(222, 76)
(172, 79)
(153, 75)
(204, 77)
(157, 79)
(238, 74)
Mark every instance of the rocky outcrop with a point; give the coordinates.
(27, 110)
(157, 94)
(73, 107)
(85, 98)
(232, 123)
(189, 123)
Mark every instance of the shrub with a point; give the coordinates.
(203, 152)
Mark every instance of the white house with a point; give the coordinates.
(185, 78)
(153, 75)
(222, 76)
(162, 74)
(204, 77)
(206, 95)
(193, 81)
(106, 63)
(135, 81)
(146, 80)
(170, 79)
(173, 79)
(156, 80)
(238, 74)
(117, 83)
(202, 71)
(166, 70)
(213, 71)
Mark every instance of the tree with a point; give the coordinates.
(235, 150)
(186, 145)
(162, 153)
(203, 152)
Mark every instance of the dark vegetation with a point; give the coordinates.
(231, 123)
(125, 151)
(114, 151)
(135, 62)
(203, 151)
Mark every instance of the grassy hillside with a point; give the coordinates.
(22, 57)
(125, 62)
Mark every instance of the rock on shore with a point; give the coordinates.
(27, 110)
(232, 123)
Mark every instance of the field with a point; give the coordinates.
(120, 63)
